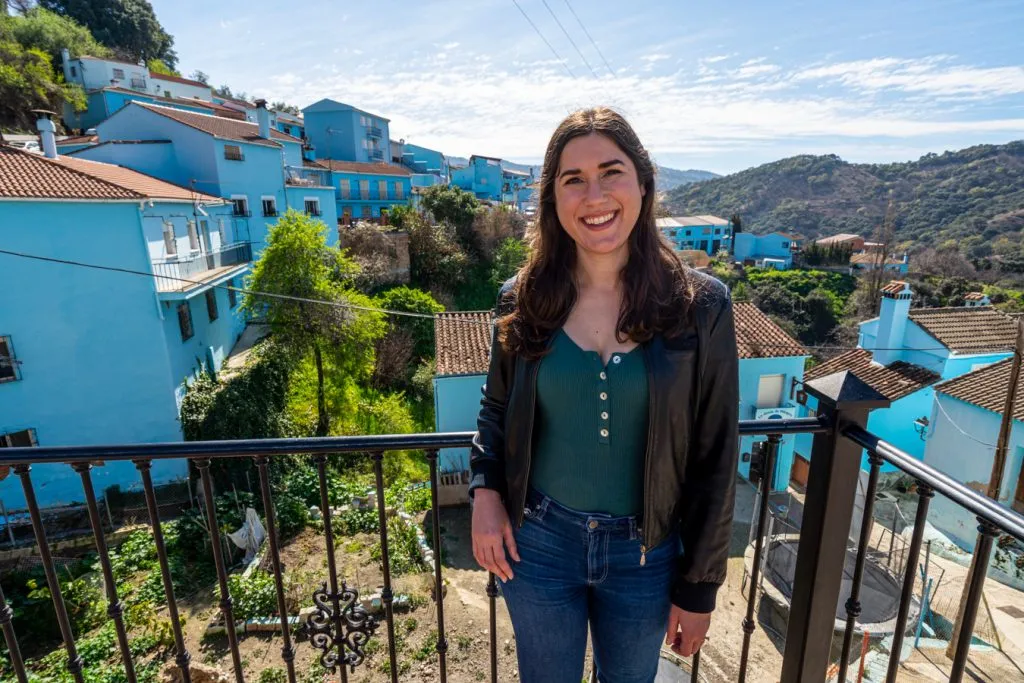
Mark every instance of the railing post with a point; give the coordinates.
(843, 399)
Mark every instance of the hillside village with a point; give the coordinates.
(182, 266)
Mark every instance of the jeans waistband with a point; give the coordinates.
(541, 503)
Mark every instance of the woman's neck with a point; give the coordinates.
(600, 271)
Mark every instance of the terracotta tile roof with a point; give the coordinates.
(33, 176)
(874, 257)
(462, 342)
(968, 329)
(177, 79)
(894, 287)
(219, 126)
(894, 381)
(78, 140)
(758, 337)
(376, 168)
(974, 296)
(838, 239)
(986, 388)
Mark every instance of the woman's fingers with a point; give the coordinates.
(496, 554)
(510, 542)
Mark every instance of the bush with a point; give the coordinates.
(509, 257)
(436, 260)
(273, 675)
(411, 300)
(255, 596)
(403, 549)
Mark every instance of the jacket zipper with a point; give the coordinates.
(647, 457)
(529, 439)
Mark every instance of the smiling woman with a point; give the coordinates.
(601, 501)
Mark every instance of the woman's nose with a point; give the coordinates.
(595, 192)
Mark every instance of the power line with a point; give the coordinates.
(578, 21)
(571, 41)
(407, 314)
(550, 47)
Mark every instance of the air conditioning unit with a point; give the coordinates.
(780, 413)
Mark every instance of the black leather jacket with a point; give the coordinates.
(692, 443)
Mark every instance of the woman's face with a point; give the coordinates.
(597, 194)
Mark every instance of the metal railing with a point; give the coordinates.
(374, 132)
(340, 627)
(170, 273)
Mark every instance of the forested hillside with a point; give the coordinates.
(973, 198)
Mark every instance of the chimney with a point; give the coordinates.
(47, 133)
(263, 118)
(892, 322)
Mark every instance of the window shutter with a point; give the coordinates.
(193, 236)
(169, 243)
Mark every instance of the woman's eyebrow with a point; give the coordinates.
(602, 165)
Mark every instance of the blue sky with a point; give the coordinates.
(713, 85)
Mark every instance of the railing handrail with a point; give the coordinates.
(196, 255)
(967, 498)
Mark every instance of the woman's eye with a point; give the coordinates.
(612, 171)
(574, 179)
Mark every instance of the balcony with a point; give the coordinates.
(375, 154)
(815, 642)
(190, 271)
(374, 132)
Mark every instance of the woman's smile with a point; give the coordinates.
(600, 221)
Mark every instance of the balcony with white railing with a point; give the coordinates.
(180, 273)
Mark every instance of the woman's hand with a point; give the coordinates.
(686, 630)
(492, 531)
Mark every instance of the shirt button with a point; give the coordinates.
(593, 524)
(603, 375)
(604, 416)
(604, 433)
(616, 359)
(604, 396)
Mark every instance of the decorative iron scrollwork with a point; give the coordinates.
(349, 629)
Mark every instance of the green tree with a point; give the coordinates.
(298, 263)
(27, 82)
(200, 76)
(412, 300)
(129, 27)
(44, 30)
(455, 208)
(436, 261)
(158, 66)
(509, 257)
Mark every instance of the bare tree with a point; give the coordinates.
(878, 276)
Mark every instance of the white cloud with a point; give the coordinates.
(449, 46)
(714, 59)
(655, 57)
(509, 109)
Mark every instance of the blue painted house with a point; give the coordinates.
(89, 356)
(965, 422)
(707, 233)
(340, 132)
(904, 352)
(774, 250)
(244, 163)
(771, 364)
(483, 176)
(429, 166)
(362, 191)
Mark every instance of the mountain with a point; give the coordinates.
(973, 198)
(667, 178)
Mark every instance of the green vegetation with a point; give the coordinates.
(128, 27)
(253, 596)
(970, 198)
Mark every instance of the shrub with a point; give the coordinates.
(255, 596)
(403, 549)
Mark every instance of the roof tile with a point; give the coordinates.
(894, 381)
(219, 126)
(758, 337)
(462, 342)
(963, 329)
(375, 168)
(986, 388)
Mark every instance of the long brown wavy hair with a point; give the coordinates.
(658, 292)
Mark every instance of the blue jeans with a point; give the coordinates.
(578, 568)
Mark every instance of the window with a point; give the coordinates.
(382, 189)
(8, 366)
(367, 212)
(233, 153)
(211, 304)
(193, 236)
(483, 181)
(118, 74)
(769, 391)
(74, 72)
(312, 206)
(269, 206)
(22, 439)
(221, 232)
(170, 244)
(241, 206)
(232, 294)
(364, 189)
(345, 186)
(363, 121)
(185, 321)
(138, 83)
(167, 94)
(399, 190)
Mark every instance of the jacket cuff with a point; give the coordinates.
(487, 475)
(695, 597)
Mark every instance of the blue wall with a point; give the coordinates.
(747, 246)
(751, 370)
(338, 132)
(354, 204)
(93, 356)
(708, 238)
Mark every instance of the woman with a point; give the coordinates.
(603, 466)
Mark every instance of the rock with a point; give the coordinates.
(199, 672)
(314, 512)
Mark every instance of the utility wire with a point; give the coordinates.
(578, 21)
(571, 41)
(406, 314)
(550, 47)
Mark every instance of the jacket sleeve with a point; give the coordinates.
(487, 453)
(706, 522)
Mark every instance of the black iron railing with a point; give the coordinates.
(340, 627)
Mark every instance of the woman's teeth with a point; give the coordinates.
(598, 220)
